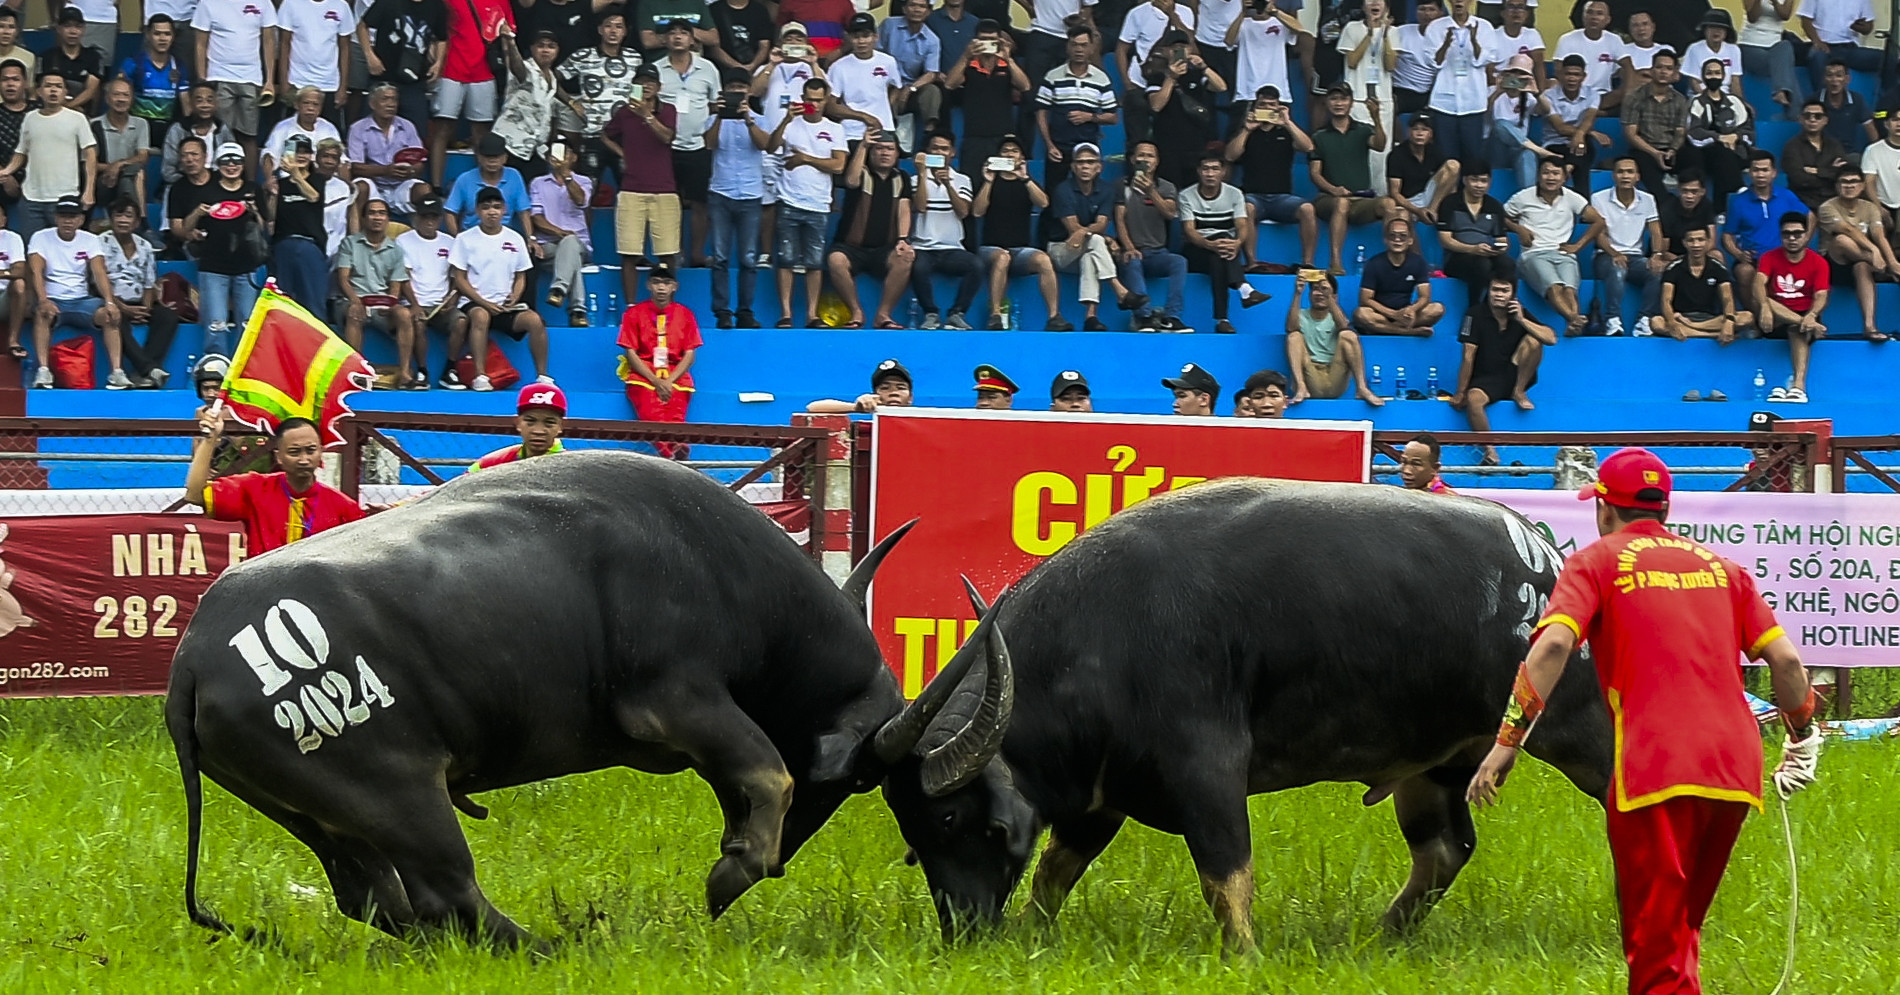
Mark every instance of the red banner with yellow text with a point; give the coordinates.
(94, 604)
(996, 491)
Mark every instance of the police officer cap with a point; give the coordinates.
(990, 378)
(890, 369)
(1065, 380)
(1193, 378)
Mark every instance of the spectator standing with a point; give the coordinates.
(298, 260)
(940, 202)
(1854, 237)
(67, 269)
(181, 197)
(1073, 102)
(372, 275)
(863, 80)
(1143, 28)
(157, 76)
(386, 154)
(1813, 159)
(1547, 215)
(1415, 71)
(1052, 36)
(735, 199)
(340, 215)
(82, 67)
(1834, 29)
(1007, 202)
(1848, 118)
(1767, 51)
(1421, 176)
(988, 81)
(199, 121)
(59, 155)
(1600, 49)
(13, 298)
(405, 44)
(488, 267)
(690, 82)
(491, 170)
(1143, 214)
(307, 123)
(237, 54)
(527, 112)
(1629, 218)
(132, 270)
(127, 144)
(601, 77)
(659, 338)
(920, 58)
(745, 32)
(1754, 223)
(648, 204)
(1370, 48)
(813, 150)
(1260, 40)
(1083, 207)
(955, 26)
(1464, 47)
(1722, 128)
(1791, 288)
(1213, 214)
(1639, 53)
(1698, 295)
(1718, 43)
(315, 40)
(874, 230)
(1472, 229)
(560, 198)
(1181, 94)
(1516, 37)
(1395, 290)
(13, 111)
(1324, 354)
(1339, 168)
(1264, 146)
(431, 294)
(1655, 123)
(10, 47)
(465, 87)
(1571, 125)
(1502, 349)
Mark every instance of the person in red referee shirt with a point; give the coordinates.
(276, 508)
(1668, 621)
(1791, 286)
(660, 337)
(540, 412)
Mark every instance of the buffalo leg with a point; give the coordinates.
(737, 759)
(419, 833)
(1072, 845)
(1220, 841)
(363, 882)
(1436, 823)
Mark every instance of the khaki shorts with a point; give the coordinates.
(237, 106)
(1361, 211)
(1326, 380)
(638, 214)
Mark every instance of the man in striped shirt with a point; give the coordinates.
(1214, 215)
(1073, 101)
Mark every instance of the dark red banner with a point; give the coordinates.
(94, 604)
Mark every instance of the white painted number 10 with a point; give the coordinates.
(330, 702)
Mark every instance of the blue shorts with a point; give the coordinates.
(1279, 208)
(1021, 260)
(801, 239)
(77, 312)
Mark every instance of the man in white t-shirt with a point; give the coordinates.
(60, 155)
(1142, 28)
(67, 269)
(939, 204)
(489, 266)
(237, 52)
(1629, 217)
(12, 284)
(813, 154)
(432, 298)
(1262, 38)
(1416, 67)
(1546, 215)
(315, 48)
(863, 78)
(1601, 51)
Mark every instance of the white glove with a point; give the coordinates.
(1799, 758)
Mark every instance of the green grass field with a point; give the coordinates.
(92, 843)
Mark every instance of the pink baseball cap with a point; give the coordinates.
(541, 395)
(1520, 63)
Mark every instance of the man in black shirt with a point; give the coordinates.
(745, 34)
(1007, 202)
(1264, 147)
(1418, 175)
(989, 80)
(1472, 230)
(1698, 295)
(1503, 347)
(297, 235)
(1395, 290)
(873, 229)
(81, 67)
(409, 36)
(13, 111)
(1689, 209)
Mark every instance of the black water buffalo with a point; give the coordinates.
(1241, 637)
(556, 615)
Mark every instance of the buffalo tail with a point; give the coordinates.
(181, 719)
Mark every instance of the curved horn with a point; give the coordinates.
(858, 585)
(959, 761)
(900, 735)
(976, 597)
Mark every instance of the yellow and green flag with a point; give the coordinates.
(290, 365)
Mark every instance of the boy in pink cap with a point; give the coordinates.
(540, 411)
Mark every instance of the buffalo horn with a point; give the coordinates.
(976, 597)
(858, 585)
(900, 735)
(959, 761)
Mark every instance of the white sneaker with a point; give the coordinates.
(43, 380)
(1613, 325)
(481, 383)
(1796, 395)
(544, 380)
(117, 380)
(1642, 328)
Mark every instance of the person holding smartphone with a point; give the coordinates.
(1007, 202)
(1260, 40)
(1503, 346)
(989, 81)
(1143, 213)
(1264, 146)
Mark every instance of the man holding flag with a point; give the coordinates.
(276, 508)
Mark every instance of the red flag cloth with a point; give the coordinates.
(290, 365)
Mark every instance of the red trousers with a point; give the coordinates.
(647, 406)
(1669, 860)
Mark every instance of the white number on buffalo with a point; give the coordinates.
(325, 708)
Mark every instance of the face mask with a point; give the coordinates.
(1713, 82)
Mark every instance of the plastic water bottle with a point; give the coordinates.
(593, 308)
(1431, 382)
(1359, 255)
(916, 315)
(613, 307)
(1374, 379)
(1761, 385)
(1398, 382)
(1015, 316)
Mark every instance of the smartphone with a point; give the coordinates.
(636, 92)
(1265, 115)
(784, 101)
(797, 51)
(807, 108)
(557, 151)
(1000, 164)
(1313, 275)
(732, 105)
(1513, 81)
(1502, 244)
(1180, 53)
(934, 161)
(986, 46)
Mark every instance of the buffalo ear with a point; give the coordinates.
(1011, 815)
(837, 756)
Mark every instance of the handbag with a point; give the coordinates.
(253, 246)
(177, 293)
(72, 363)
(500, 372)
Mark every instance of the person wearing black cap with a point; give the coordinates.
(83, 68)
(492, 170)
(995, 391)
(489, 265)
(527, 113)
(987, 81)
(1194, 391)
(66, 268)
(648, 202)
(863, 78)
(574, 24)
(1069, 391)
(890, 388)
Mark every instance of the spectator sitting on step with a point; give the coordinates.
(1849, 119)
(199, 106)
(13, 298)
(1143, 214)
(1419, 177)
(1600, 49)
(1880, 164)
(1688, 209)
(1570, 128)
(492, 172)
(1813, 159)
(1194, 391)
(1698, 295)
(1322, 352)
(1083, 207)
(1395, 289)
(890, 388)
(1791, 291)
(560, 198)
(1264, 147)
(1655, 119)
(995, 391)
(940, 201)
(1266, 394)
(308, 123)
(1768, 49)
(920, 58)
(1629, 217)
(132, 269)
(735, 199)
(659, 338)
(372, 275)
(874, 229)
(1854, 237)
(1516, 104)
(1637, 64)
(1007, 203)
(1717, 43)
(1069, 391)
(1503, 347)
(124, 141)
(1547, 215)
(1836, 27)
(647, 207)
(489, 267)
(1213, 215)
(386, 154)
(1753, 227)
(1338, 164)
(432, 297)
(1472, 230)
(67, 269)
(10, 48)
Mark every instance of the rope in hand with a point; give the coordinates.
(1794, 898)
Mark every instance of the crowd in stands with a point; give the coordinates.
(824, 143)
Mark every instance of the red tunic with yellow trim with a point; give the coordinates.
(272, 514)
(512, 454)
(659, 337)
(1668, 622)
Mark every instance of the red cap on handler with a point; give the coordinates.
(1631, 478)
(541, 395)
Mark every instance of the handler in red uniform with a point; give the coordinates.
(540, 411)
(1668, 621)
(276, 508)
(660, 337)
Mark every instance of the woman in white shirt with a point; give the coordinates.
(1370, 49)
(1718, 43)
(1766, 50)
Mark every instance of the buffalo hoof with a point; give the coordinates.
(729, 879)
